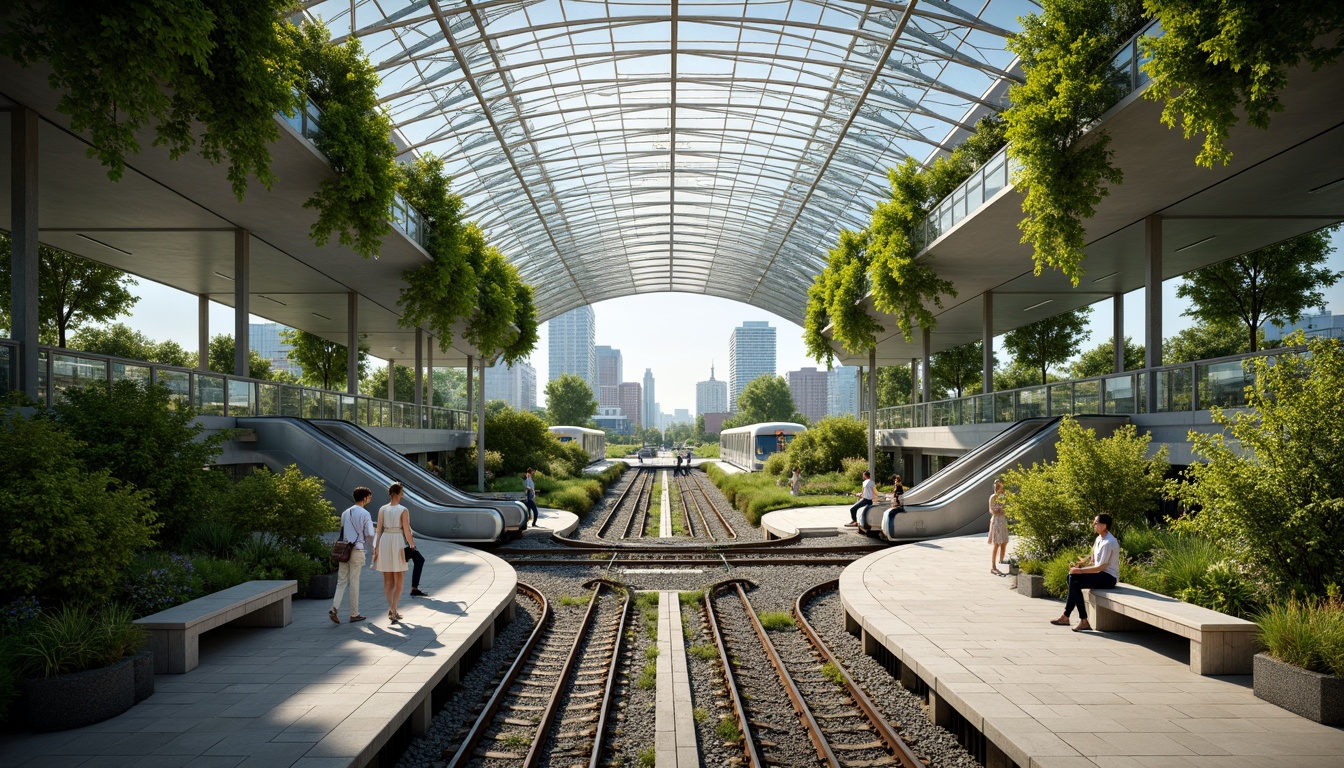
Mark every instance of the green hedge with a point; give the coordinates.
(754, 494)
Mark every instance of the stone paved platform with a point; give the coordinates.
(312, 694)
(1045, 696)
(551, 520)
(674, 721)
(815, 521)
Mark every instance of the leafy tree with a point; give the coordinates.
(221, 358)
(1273, 490)
(288, 506)
(521, 438)
(766, 398)
(893, 386)
(524, 319)
(322, 362)
(569, 401)
(959, 369)
(1018, 374)
(1275, 283)
(826, 444)
(450, 387)
(71, 291)
(1052, 503)
(1100, 361)
(491, 326)
(120, 340)
(146, 440)
(495, 407)
(846, 283)
(1216, 59)
(85, 526)
(1065, 52)
(442, 291)
(1049, 341)
(1205, 341)
(376, 384)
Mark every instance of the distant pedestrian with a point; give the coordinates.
(677, 471)
(391, 540)
(356, 526)
(866, 498)
(796, 482)
(688, 461)
(530, 496)
(998, 528)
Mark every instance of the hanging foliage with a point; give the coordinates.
(902, 286)
(524, 319)
(816, 317)
(355, 136)
(1065, 53)
(442, 291)
(1216, 58)
(201, 74)
(851, 324)
(491, 325)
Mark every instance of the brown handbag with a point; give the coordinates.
(342, 549)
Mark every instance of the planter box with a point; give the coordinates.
(80, 698)
(1030, 585)
(143, 664)
(322, 587)
(1312, 695)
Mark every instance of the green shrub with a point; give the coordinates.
(215, 574)
(707, 451)
(267, 558)
(288, 506)
(827, 444)
(1141, 542)
(831, 484)
(217, 538)
(157, 581)
(1056, 572)
(728, 730)
(778, 464)
(1031, 567)
(1305, 633)
(73, 639)
(852, 469)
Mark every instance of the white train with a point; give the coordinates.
(748, 447)
(594, 441)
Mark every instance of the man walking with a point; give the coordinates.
(356, 526)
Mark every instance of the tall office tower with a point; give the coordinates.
(609, 397)
(514, 384)
(609, 367)
(265, 340)
(751, 354)
(808, 387)
(571, 340)
(711, 396)
(842, 391)
(628, 399)
(649, 407)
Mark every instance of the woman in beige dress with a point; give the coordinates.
(390, 540)
(998, 529)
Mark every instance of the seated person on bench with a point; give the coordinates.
(1101, 572)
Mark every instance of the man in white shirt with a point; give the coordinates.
(866, 498)
(1102, 572)
(356, 526)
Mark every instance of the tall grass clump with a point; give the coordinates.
(1305, 633)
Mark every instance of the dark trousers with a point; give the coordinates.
(862, 504)
(531, 504)
(1080, 581)
(417, 562)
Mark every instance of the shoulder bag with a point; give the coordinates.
(342, 549)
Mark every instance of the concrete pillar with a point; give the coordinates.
(1152, 305)
(987, 343)
(352, 343)
(419, 367)
(939, 711)
(914, 380)
(203, 332)
(24, 258)
(392, 380)
(1118, 323)
(422, 716)
(429, 364)
(480, 434)
(242, 301)
(926, 375)
(471, 405)
(872, 411)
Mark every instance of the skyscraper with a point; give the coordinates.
(649, 408)
(628, 396)
(711, 396)
(514, 384)
(808, 387)
(842, 391)
(609, 396)
(264, 338)
(609, 367)
(751, 354)
(571, 340)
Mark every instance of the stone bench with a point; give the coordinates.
(1219, 644)
(174, 634)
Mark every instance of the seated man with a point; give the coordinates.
(1101, 572)
(866, 498)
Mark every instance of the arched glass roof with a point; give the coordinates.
(716, 147)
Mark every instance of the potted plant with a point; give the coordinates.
(1031, 578)
(321, 582)
(1302, 668)
(80, 667)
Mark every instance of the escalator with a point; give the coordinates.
(282, 441)
(955, 501)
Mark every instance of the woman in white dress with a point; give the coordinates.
(998, 529)
(390, 541)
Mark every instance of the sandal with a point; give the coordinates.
(336, 619)
(1083, 626)
(392, 617)
(357, 617)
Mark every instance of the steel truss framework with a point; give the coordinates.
(715, 147)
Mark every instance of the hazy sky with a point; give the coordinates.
(678, 335)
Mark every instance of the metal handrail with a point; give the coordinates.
(220, 394)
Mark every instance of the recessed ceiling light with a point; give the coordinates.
(1104, 277)
(226, 277)
(1325, 187)
(105, 245)
(1197, 242)
(318, 314)
(1039, 304)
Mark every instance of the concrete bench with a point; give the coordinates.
(174, 634)
(1219, 644)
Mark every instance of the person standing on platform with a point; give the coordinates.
(391, 540)
(356, 526)
(1101, 573)
(998, 529)
(688, 461)
(530, 495)
(866, 498)
(796, 482)
(677, 471)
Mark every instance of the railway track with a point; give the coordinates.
(801, 702)
(626, 505)
(698, 505)
(553, 701)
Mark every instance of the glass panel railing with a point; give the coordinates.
(178, 384)
(1004, 407)
(1031, 402)
(209, 395)
(291, 401)
(1223, 384)
(1061, 399)
(1086, 396)
(242, 398)
(125, 372)
(268, 399)
(1175, 389)
(75, 371)
(1119, 394)
(945, 413)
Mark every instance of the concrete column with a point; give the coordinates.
(471, 404)
(926, 376)
(914, 380)
(203, 332)
(392, 380)
(1152, 305)
(480, 433)
(242, 301)
(352, 343)
(419, 367)
(987, 334)
(429, 349)
(24, 258)
(872, 411)
(1118, 323)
